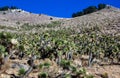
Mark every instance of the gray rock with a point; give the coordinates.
(19, 66)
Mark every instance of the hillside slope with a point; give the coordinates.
(108, 19)
(18, 16)
(40, 47)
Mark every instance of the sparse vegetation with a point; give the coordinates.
(53, 24)
(7, 27)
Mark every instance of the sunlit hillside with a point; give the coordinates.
(43, 46)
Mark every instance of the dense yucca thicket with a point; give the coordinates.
(62, 47)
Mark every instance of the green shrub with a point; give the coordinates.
(43, 75)
(101, 6)
(46, 64)
(21, 71)
(65, 64)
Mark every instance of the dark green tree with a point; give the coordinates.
(13, 7)
(79, 13)
(74, 15)
(101, 6)
(90, 9)
(4, 8)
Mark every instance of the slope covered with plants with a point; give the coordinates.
(55, 51)
(61, 48)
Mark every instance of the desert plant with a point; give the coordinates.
(43, 75)
(65, 64)
(21, 71)
(47, 64)
(67, 76)
(104, 75)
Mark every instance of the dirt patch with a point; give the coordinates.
(113, 71)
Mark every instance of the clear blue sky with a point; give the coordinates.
(59, 8)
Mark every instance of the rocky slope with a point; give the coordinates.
(18, 16)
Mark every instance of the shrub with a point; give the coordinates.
(13, 7)
(65, 64)
(5, 8)
(21, 71)
(90, 9)
(101, 6)
(43, 75)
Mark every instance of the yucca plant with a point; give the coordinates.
(65, 64)
(47, 64)
(43, 75)
(21, 71)
(67, 76)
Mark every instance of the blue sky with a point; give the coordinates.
(59, 8)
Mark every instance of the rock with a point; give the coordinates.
(14, 41)
(77, 62)
(14, 66)
(26, 67)
(4, 76)
(19, 66)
